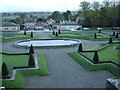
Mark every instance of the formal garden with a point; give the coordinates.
(15, 66)
(95, 35)
(104, 57)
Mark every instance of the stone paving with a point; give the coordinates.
(65, 71)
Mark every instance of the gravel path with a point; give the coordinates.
(65, 72)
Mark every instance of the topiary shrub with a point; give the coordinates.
(113, 34)
(110, 40)
(116, 36)
(96, 57)
(31, 51)
(80, 49)
(25, 33)
(53, 32)
(31, 34)
(99, 31)
(31, 62)
(56, 34)
(59, 32)
(95, 36)
(5, 72)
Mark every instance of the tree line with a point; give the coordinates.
(100, 15)
(94, 14)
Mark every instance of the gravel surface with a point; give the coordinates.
(65, 71)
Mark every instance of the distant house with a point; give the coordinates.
(9, 26)
(30, 25)
(68, 25)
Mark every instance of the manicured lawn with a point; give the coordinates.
(88, 35)
(15, 60)
(19, 81)
(16, 37)
(88, 66)
(107, 54)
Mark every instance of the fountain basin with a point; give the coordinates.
(46, 42)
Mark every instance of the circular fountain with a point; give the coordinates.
(46, 43)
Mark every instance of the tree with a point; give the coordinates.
(31, 34)
(85, 5)
(53, 32)
(99, 31)
(22, 18)
(95, 5)
(25, 32)
(5, 72)
(80, 49)
(116, 36)
(95, 36)
(57, 16)
(96, 57)
(31, 61)
(31, 51)
(67, 15)
(56, 34)
(113, 34)
(59, 32)
(110, 40)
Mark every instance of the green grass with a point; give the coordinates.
(19, 81)
(88, 66)
(87, 35)
(15, 60)
(107, 54)
(16, 37)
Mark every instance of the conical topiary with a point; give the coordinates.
(25, 33)
(59, 32)
(110, 40)
(31, 62)
(96, 57)
(116, 36)
(53, 32)
(31, 34)
(95, 36)
(80, 49)
(5, 72)
(99, 31)
(56, 34)
(113, 34)
(31, 49)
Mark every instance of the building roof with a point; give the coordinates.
(69, 23)
(9, 24)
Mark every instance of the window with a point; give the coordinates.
(13, 28)
(5, 28)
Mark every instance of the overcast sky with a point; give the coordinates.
(40, 5)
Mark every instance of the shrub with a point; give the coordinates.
(59, 32)
(31, 34)
(116, 36)
(53, 32)
(56, 34)
(113, 34)
(31, 61)
(31, 51)
(95, 36)
(5, 72)
(25, 33)
(110, 40)
(96, 57)
(80, 47)
(99, 31)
